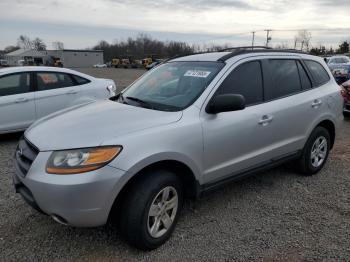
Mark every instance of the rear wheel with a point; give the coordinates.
(315, 152)
(151, 209)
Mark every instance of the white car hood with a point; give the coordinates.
(90, 125)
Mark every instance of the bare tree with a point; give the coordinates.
(38, 44)
(57, 45)
(303, 37)
(24, 42)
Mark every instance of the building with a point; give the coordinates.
(22, 56)
(68, 57)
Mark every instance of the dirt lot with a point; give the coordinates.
(122, 77)
(275, 216)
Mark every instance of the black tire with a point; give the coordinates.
(304, 164)
(134, 218)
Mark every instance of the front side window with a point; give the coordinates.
(14, 84)
(319, 74)
(245, 80)
(172, 86)
(285, 78)
(53, 80)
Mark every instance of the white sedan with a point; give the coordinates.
(29, 93)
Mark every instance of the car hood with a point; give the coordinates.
(90, 125)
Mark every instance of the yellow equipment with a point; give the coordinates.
(125, 62)
(115, 62)
(147, 61)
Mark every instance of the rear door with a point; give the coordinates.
(289, 104)
(54, 91)
(17, 108)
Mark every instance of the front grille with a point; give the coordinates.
(24, 156)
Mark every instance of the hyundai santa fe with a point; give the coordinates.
(185, 128)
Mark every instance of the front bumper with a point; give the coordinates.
(82, 200)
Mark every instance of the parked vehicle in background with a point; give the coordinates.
(115, 62)
(100, 66)
(57, 62)
(125, 62)
(4, 63)
(346, 94)
(147, 61)
(151, 66)
(30, 93)
(340, 68)
(21, 62)
(183, 129)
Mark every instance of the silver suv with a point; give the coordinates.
(186, 127)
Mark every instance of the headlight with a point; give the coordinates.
(112, 89)
(81, 160)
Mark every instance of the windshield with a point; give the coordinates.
(172, 86)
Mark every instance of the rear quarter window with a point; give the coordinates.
(80, 80)
(319, 74)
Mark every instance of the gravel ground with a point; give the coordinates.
(275, 216)
(122, 77)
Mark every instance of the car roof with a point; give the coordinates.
(210, 56)
(226, 55)
(19, 69)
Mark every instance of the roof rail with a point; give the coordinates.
(238, 51)
(244, 48)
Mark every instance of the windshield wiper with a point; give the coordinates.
(141, 102)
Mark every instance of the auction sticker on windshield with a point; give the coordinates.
(197, 73)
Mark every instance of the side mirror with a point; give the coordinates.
(225, 103)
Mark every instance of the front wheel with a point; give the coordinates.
(315, 152)
(151, 209)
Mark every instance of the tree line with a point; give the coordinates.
(143, 46)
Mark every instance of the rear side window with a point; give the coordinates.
(15, 84)
(285, 78)
(80, 80)
(304, 78)
(244, 80)
(318, 72)
(53, 80)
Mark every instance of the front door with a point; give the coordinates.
(239, 140)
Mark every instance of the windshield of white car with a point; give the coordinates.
(172, 86)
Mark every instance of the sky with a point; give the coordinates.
(81, 24)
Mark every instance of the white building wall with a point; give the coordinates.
(81, 58)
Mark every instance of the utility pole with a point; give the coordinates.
(268, 37)
(253, 39)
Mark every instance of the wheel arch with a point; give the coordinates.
(179, 168)
(330, 126)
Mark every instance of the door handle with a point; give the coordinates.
(21, 100)
(72, 92)
(316, 103)
(265, 120)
